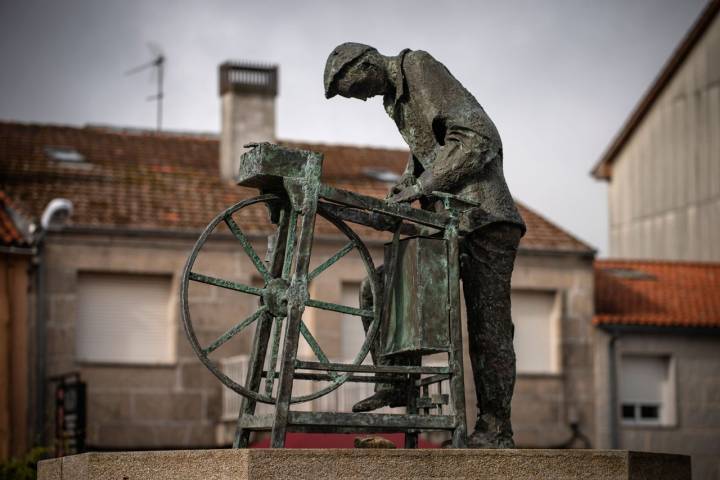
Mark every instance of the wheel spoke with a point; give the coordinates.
(270, 379)
(219, 282)
(313, 343)
(334, 307)
(331, 261)
(259, 265)
(234, 330)
(290, 245)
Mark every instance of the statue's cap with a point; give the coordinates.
(341, 56)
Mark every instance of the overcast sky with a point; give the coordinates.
(557, 77)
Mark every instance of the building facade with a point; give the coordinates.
(663, 167)
(16, 256)
(657, 359)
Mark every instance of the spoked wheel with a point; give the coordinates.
(271, 301)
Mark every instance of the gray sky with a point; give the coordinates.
(557, 77)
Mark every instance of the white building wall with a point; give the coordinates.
(664, 194)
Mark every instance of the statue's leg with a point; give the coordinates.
(487, 260)
(385, 394)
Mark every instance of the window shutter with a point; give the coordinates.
(536, 331)
(124, 319)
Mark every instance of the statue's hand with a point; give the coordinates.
(404, 182)
(407, 195)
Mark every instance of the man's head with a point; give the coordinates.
(355, 70)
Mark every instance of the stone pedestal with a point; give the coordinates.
(368, 464)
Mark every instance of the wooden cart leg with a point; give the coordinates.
(413, 392)
(287, 371)
(262, 336)
(457, 380)
(297, 296)
(254, 376)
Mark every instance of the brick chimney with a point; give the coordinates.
(247, 94)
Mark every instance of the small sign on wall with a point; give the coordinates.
(70, 415)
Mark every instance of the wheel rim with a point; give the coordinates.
(265, 308)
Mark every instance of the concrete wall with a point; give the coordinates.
(179, 405)
(696, 363)
(14, 371)
(664, 194)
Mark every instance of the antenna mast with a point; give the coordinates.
(158, 64)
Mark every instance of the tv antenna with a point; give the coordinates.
(158, 64)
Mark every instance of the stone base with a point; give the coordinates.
(368, 464)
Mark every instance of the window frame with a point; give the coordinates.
(666, 407)
(172, 320)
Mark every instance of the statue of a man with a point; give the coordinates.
(455, 149)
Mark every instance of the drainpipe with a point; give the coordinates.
(613, 391)
(55, 214)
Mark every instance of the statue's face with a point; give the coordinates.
(362, 80)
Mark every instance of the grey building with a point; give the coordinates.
(657, 359)
(663, 167)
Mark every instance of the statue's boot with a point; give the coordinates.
(491, 432)
(380, 399)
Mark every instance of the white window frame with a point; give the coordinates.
(667, 406)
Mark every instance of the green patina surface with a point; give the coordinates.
(418, 320)
(415, 318)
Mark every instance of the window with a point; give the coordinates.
(536, 315)
(647, 394)
(65, 154)
(125, 319)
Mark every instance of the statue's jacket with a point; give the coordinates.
(455, 146)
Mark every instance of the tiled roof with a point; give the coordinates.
(10, 234)
(658, 294)
(140, 179)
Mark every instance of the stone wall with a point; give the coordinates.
(179, 405)
(543, 405)
(696, 431)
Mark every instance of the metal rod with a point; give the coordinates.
(247, 246)
(261, 338)
(230, 285)
(310, 339)
(313, 170)
(455, 356)
(397, 210)
(432, 379)
(331, 261)
(338, 367)
(334, 307)
(274, 348)
(234, 330)
(290, 248)
(324, 377)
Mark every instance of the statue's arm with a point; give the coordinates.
(407, 179)
(464, 153)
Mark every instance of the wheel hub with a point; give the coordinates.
(275, 297)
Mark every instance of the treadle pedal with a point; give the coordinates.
(434, 400)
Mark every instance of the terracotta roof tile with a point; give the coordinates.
(146, 180)
(653, 293)
(10, 234)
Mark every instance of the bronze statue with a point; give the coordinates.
(455, 149)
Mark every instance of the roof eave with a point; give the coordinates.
(614, 328)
